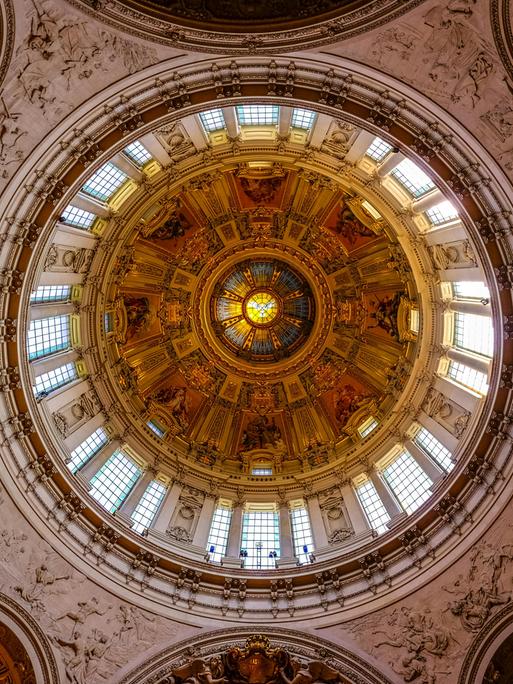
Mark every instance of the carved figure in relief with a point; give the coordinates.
(13, 544)
(145, 625)
(84, 610)
(57, 52)
(314, 671)
(461, 55)
(39, 58)
(480, 591)
(10, 133)
(202, 672)
(87, 653)
(395, 41)
(423, 641)
(35, 593)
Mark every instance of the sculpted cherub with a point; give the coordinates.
(200, 672)
(314, 671)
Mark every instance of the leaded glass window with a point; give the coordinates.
(104, 182)
(302, 534)
(219, 530)
(413, 178)
(55, 378)
(147, 508)
(114, 481)
(87, 449)
(260, 538)
(435, 449)
(408, 481)
(373, 506)
(47, 336)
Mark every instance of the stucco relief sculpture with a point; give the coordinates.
(422, 641)
(10, 133)
(484, 587)
(35, 593)
(257, 663)
(71, 49)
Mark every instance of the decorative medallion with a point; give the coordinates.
(262, 310)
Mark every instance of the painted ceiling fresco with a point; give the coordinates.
(258, 316)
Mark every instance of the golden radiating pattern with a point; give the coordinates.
(262, 309)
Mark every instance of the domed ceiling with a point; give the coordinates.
(239, 27)
(277, 326)
(239, 15)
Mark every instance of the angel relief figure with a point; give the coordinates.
(314, 671)
(202, 672)
(256, 663)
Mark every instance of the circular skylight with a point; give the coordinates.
(262, 309)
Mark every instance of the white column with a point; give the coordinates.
(286, 544)
(359, 147)
(235, 533)
(476, 308)
(55, 403)
(130, 503)
(83, 201)
(155, 148)
(49, 310)
(167, 507)
(354, 509)
(478, 364)
(434, 473)
(428, 201)
(92, 466)
(454, 275)
(84, 431)
(319, 130)
(442, 434)
(128, 167)
(195, 131)
(319, 535)
(389, 163)
(392, 506)
(232, 125)
(40, 366)
(438, 235)
(457, 393)
(55, 278)
(204, 522)
(284, 121)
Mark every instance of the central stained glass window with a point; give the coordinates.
(262, 310)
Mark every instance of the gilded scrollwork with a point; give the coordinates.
(258, 662)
